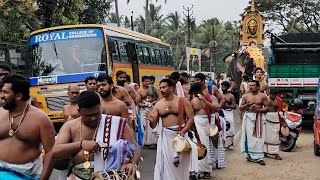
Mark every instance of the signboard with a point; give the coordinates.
(293, 82)
(252, 27)
(193, 54)
(65, 35)
(64, 78)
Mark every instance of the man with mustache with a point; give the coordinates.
(255, 105)
(109, 104)
(149, 98)
(70, 111)
(126, 93)
(169, 164)
(24, 129)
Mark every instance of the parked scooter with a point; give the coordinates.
(292, 121)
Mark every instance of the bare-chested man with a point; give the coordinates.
(227, 107)
(24, 129)
(204, 108)
(70, 111)
(121, 81)
(259, 74)
(94, 141)
(109, 104)
(121, 93)
(200, 77)
(149, 98)
(167, 110)
(91, 83)
(255, 105)
(273, 118)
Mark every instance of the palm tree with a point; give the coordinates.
(140, 24)
(175, 35)
(112, 18)
(146, 24)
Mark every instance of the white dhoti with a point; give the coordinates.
(272, 141)
(164, 168)
(33, 168)
(150, 135)
(201, 122)
(252, 139)
(230, 129)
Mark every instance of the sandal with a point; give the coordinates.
(206, 175)
(193, 176)
(278, 157)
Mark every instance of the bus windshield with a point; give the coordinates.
(67, 51)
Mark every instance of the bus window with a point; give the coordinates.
(140, 54)
(166, 59)
(163, 58)
(113, 49)
(123, 52)
(158, 57)
(170, 60)
(152, 55)
(146, 55)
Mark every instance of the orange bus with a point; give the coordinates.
(63, 55)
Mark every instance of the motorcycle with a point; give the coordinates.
(292, 121)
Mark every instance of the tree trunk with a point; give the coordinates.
(117, 12)
(146, 23)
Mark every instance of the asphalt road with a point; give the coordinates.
(237, 167)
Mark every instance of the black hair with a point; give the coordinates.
(105, 77)
(175, 76)
(183, 81)
(128, 78)
(185, 75)
(169, 82)
(195, 88)
(225, 83)
(255, 81)
(89, 78)
(88, 99)
(20, 84)
(152, 78)
(200, 76)
(120, 72)
(246, 77)
(258, 68)
(5, 67)
(143, 78)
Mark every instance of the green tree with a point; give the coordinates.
(213, 30)
(14, 15)
(112, 18)
(146, 17)
(94, 11)
(293, 16)
(175, 35)
(58, 12)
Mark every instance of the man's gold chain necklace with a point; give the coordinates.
(11, 131)
(86, 154)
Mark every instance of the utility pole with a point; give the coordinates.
(132, 21)
(188, 19)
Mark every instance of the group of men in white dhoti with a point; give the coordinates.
(260, 124)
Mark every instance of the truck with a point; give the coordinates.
(294, 68)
